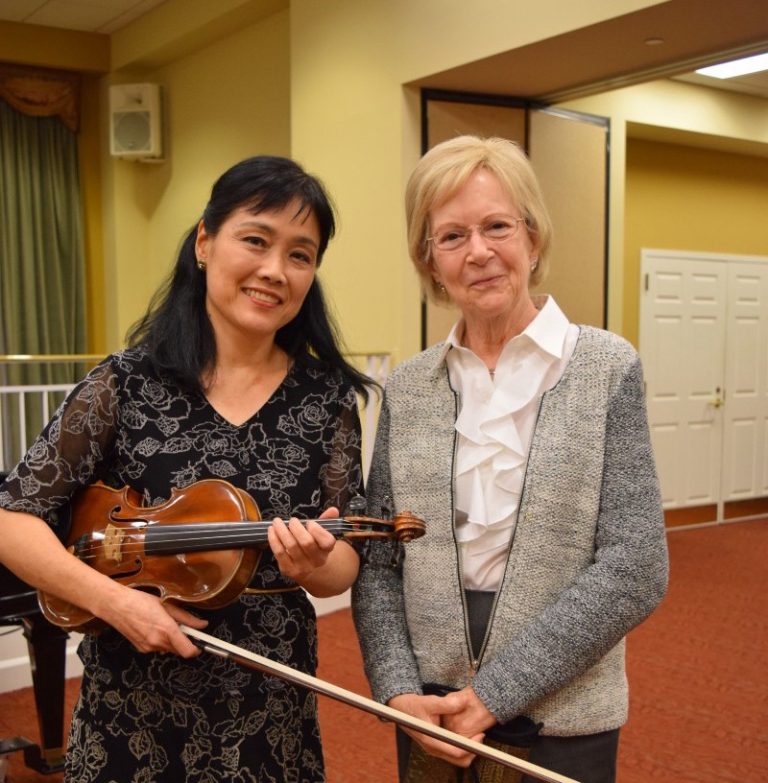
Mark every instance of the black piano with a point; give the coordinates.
(47, 651)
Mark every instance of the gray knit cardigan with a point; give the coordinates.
(587, 561)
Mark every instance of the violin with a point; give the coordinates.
(201, 547)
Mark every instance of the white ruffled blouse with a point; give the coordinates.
(495, 424)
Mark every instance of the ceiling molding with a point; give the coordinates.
(652, 74)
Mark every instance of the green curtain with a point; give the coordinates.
(42, 266)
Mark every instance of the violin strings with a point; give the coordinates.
(245, 534)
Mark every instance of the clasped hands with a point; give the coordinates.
(461, 712)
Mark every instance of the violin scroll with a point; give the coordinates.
(404, 527)
(407, 527)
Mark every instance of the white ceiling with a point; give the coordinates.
(752, 84)
(94, 16)
(107, 16)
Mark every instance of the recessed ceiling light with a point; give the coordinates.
(758, 62)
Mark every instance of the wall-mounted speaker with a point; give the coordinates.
(134, 120)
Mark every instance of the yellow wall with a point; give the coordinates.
(319, 81)
(176, 28)
(684, 198)
(48, 47)
(354, 123)
(323, 82)
(222, 103)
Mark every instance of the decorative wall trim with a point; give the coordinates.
(39, 92)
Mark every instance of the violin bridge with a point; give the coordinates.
(113, 541)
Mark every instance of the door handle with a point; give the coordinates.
(718, 401)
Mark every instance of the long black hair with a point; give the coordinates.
(176, 331)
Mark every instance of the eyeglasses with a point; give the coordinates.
(455, 237)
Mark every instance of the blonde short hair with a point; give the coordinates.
(443, 170)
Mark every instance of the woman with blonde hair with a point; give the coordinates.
(522, 441)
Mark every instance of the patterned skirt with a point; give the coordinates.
(163, 719)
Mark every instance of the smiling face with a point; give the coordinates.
(486, 279)
(259, 268)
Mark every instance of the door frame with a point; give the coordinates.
(726, 510)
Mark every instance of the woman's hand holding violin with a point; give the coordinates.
(310, 556)
(298, 548)
(148, 623)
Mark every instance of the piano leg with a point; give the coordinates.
(47, 655)
(47, 652)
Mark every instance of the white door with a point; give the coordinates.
(682, 317)
(703, 343)
(745, 450)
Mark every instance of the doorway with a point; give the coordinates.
(704, 346)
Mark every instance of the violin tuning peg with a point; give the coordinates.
(397, 556)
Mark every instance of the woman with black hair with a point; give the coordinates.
(234, 373)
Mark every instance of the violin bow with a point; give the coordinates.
(247, 658)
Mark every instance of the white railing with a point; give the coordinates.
(26, 407)
(19, 407)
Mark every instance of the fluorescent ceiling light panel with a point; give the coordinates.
(758, 62)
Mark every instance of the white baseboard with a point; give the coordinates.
(16, 672)
(328, 605)
(15, 668)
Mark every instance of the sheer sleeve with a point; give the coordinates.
(71, 452)
(342, 477)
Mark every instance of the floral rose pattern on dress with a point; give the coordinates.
(206, 719)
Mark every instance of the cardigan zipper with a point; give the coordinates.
(476, 662)
(465, 609)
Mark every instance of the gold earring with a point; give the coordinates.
(201, 264)
(534, 264)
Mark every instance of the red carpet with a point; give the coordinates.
(699, 693)
(698, 685)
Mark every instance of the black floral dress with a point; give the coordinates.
(147, 718)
